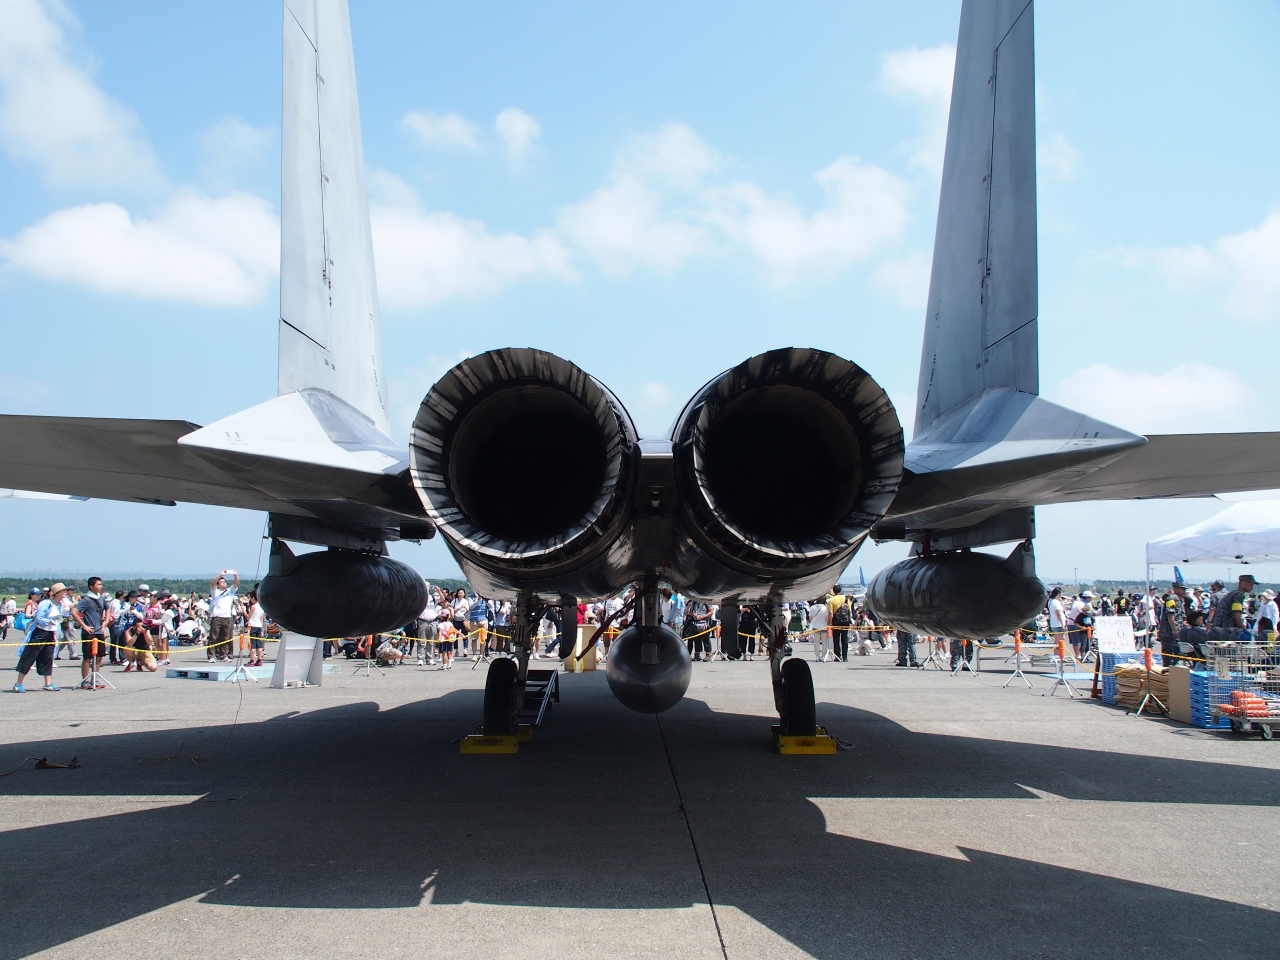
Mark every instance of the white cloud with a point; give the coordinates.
(641, 217)
(923, 77)
(450, 131)
(1055, 155)
(660, 208)
(1188, 398)
(906, 278)
(232, 144)
(656, 394)
(1243, 269)
(222, 251)
(426, 256)
(867, 207)
(53, 115)
(517, 131)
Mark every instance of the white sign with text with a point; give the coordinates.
(1114, 634)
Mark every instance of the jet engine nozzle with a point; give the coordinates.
(958, 595)
(340, 593)
(786, 461)
(526, 465)
(648, 668)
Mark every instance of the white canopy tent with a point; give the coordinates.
(1245, 531)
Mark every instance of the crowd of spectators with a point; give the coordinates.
(134, 629)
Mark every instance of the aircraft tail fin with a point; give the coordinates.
(980, 328)
(330, 325)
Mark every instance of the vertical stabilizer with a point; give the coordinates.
(330, 327)
(980, 329)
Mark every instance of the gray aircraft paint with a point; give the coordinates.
(980, 328)
(330, 325)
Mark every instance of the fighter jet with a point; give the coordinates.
(702, 509)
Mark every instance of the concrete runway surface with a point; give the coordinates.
(224, 820)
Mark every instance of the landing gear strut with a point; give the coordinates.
(504, 686)
(792, 681)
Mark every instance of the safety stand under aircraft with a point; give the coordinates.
(964, 663)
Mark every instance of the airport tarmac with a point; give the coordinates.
(233, 820)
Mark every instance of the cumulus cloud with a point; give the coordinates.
(866, 208)
(643, 216)
(448, 131)
(52, 114)
(923, 77)
(1239, 269)
(223, 252)
(427, 256)
(1188, 398)
(517, 131)
(232, 144)
(663, 205)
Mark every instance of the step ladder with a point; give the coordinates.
(541, 689)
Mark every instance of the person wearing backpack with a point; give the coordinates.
(840, 617)
(1080, 624)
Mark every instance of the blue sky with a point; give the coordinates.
(655, 192)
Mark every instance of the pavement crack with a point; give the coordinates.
(684, 812)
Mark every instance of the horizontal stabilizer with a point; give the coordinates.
(353, 484)
(1184, 465)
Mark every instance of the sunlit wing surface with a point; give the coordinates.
(296, 455)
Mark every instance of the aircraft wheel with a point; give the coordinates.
(500, 697)
(800, 716)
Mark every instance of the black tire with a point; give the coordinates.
(500, 697)
(800, 719)
(1266, 731)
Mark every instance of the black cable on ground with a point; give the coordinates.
(706, 888)
(43, 763)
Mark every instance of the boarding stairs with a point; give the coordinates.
(541, 689)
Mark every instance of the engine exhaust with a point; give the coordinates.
(479, 456)
(752, 512)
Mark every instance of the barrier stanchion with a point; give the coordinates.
(1095, 692)
(1060, 678)
(1148, 696)
(241, 672)
(370, 661)
(964, 663)
(95, 680)
(935, 655)
(1017, 661)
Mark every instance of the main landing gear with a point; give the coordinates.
(504, 686)
(792, 681)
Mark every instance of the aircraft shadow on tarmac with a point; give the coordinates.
(352, 807)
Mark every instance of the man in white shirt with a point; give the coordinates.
(1057, 614)
(426, 629)
(818, 626)
(222, 600)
